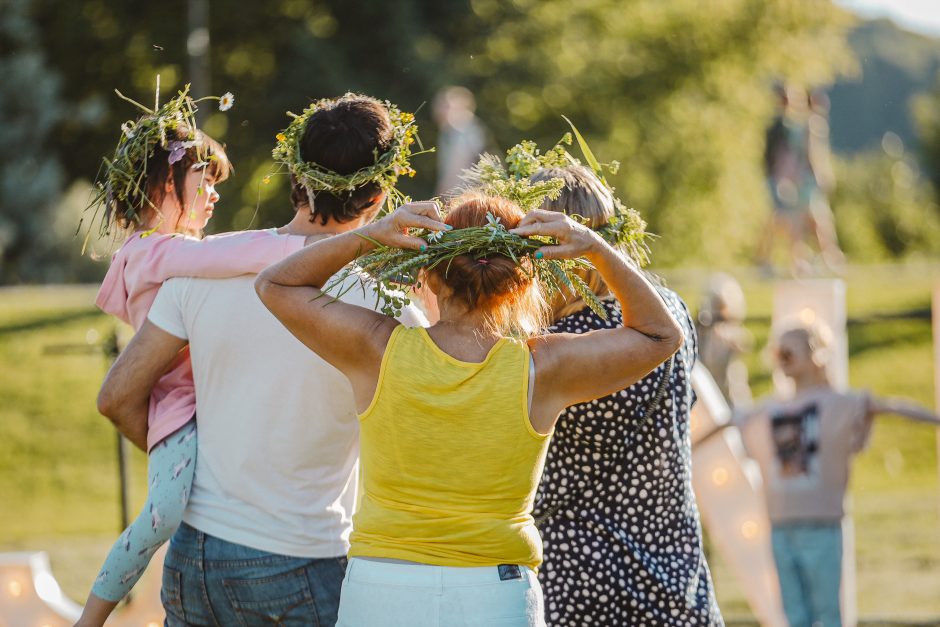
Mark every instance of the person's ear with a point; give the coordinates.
(371, 210)
(168, 185)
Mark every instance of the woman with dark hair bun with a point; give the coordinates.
(455, 419)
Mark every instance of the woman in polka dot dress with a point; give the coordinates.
(621, 531)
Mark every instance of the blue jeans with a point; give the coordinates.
(809, 564)
(211, 582)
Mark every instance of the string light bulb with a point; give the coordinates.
(15, 588)
(749, 529)
(720, 476)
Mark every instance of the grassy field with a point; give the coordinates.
(58, 470)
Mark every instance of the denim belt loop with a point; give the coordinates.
(201, 548)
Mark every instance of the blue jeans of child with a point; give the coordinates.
(211, 582)
(809, 564)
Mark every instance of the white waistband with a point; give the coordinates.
(366, 570)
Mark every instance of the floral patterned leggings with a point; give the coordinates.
(170, 477)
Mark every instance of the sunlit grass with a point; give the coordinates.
(58, 469)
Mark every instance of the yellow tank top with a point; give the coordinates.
(450, 462)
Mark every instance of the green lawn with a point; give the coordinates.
(58, 470)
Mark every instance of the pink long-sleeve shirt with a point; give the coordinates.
(141, 266)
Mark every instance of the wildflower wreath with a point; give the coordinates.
(122, 176)
(395, 267)
(626, 230)
(388, 165)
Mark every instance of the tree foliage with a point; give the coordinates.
(927, 116)
(30, 174)
(884, 206)
(677, 91)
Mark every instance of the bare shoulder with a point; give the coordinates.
(547, 349)
(381, 333)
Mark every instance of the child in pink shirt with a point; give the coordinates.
(168, 207)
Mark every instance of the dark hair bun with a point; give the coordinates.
(345, 137)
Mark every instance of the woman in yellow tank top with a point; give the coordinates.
(455, 419)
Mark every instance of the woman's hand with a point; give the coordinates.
(392, 230)
(574, 239)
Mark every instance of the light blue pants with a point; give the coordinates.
(387, 594)
(809, 564)
(170, 469)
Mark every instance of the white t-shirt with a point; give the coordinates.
(277, 426)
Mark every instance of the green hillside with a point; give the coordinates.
(895, 65)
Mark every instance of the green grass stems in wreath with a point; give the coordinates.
(388, 166)
(121, 178)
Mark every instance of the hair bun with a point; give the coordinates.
(484, 282)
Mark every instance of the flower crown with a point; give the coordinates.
(388, 165)
(512, 181)
(625, 229)
(393, 267)
(171, 126)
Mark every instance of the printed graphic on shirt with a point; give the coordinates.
(796, 441)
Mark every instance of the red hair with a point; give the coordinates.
(508, 292)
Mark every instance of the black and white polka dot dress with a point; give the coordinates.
(621, 531)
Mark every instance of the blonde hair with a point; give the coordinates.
(818, 338)
(583, 195)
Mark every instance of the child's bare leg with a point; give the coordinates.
(96, 611)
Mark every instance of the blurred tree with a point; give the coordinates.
(30, 174)
(894, 66)
(884, 206)
(926, 109)
(274, 56)
(677, 91)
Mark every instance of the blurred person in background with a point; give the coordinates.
(805, 446)
(616, 500)
(786, 165)
(823, 182)
(799, 174)
(461, 139)
(723, 339)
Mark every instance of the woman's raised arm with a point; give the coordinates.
(349, 337)
(577, 368)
